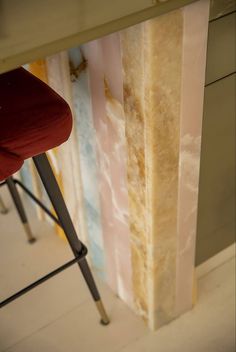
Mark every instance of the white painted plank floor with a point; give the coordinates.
(59, 316)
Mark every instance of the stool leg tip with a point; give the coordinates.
(4, 211)
(104, 322)
(32, 240)
(3, 208)
(104, 318)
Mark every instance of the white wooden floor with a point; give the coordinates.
(59, 316)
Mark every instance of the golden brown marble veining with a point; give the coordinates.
(163, 72)
(152, 82)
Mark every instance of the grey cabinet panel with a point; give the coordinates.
(219, 8)
(216, 213)
(221, 51)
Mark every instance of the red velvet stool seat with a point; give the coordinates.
(34, 119)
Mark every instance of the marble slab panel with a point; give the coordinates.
(86, 138)
(152, 81)
(59, 79)
(192, 94)
(164, 63)
(105, 74)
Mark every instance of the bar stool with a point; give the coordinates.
(33, 120)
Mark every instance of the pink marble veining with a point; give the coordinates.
(116, 121)
(104, 65)
(93, 54)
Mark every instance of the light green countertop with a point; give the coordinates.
(31, 29)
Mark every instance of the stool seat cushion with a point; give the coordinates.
(33, 119)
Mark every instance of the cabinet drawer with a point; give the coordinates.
(216, 209)
(219, 8)
(221, 58)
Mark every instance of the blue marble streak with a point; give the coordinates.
(88, 162)
(26, 175)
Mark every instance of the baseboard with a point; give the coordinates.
(215, 261)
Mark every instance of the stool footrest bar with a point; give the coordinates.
(26, 289)
(37, 201)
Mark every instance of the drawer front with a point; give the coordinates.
(219, 8)
(221, 57)
(216, 213)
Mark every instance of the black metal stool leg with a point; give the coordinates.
(3, 208)
(46, 174)
(19, 206)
